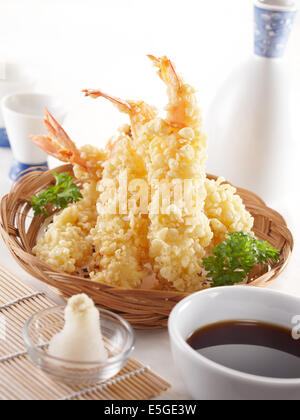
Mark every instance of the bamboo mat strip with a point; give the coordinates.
(13, 356)
(21, 299)
(105, 385)
(21, 380)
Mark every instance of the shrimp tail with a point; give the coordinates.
(139, 112)
(123, 106)
(58, 144)
(166, 71)
(56, 131)
(177, 92)
(47, 145)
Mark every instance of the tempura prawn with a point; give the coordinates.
(66, 245)
(87, 161)
(225, 210)
(179, 236)
(167, 155)
(120, 240)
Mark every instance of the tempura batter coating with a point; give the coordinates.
(66, 245)
(178, 152)
(171, 236)
(120, 240)
(225, 210)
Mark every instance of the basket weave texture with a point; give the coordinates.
(144, 309)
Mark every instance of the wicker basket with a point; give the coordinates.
(144, 309)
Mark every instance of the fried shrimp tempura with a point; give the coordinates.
(120, 240)
(225, 210)
(172, 215)
(178, 237)
(66, 245)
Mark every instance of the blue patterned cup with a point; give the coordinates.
(273, 24)
(4, 142)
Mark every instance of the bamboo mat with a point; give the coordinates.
(21, 380)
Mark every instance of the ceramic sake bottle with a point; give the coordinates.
(249, 123)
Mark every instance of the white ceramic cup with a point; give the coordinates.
(24, 116)
(207, 380)
(14, 77)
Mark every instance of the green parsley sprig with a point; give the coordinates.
(64, 191)
(232, 260)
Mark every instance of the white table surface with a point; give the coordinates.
(152, 347)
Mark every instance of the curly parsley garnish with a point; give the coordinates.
(232, 260)
(64, 191)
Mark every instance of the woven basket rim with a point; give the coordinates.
(69, 167)
(86, 281)
(11, 220)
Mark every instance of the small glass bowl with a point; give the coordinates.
(119, 339)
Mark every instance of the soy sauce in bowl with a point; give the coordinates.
(251, 347)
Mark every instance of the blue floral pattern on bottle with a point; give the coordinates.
(272, 31)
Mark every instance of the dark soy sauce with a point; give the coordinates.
(250, 347)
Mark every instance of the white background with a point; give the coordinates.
(74, 44)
